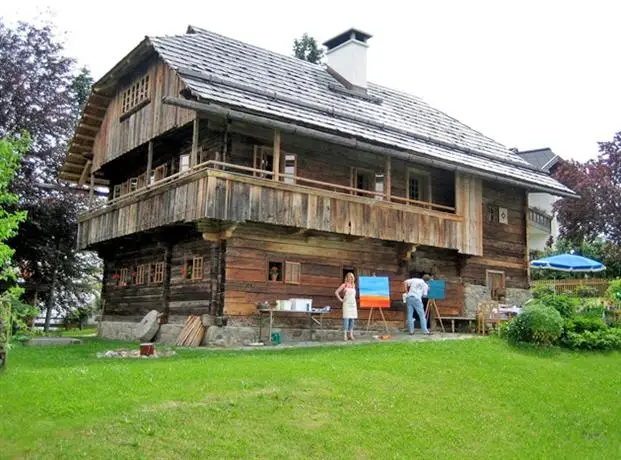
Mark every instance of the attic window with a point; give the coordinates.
(136, 96)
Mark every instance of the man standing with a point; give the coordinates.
(416, 289)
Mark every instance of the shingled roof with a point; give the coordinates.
(222, 70)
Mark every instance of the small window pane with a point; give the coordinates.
(184, 163)
(290, 168)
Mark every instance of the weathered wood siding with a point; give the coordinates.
(116, 136)
(323, 259)
(504, 245)
(185, 296)
(229, 197)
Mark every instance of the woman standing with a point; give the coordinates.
(350, 310)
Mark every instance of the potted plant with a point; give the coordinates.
(274, 273)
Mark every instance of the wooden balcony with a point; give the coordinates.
(540, 220)
(232, 193)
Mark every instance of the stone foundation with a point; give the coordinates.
(117, 330)
(474, 294)
(243, 331)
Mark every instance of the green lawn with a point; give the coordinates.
(459, 399)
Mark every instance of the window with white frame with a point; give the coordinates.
(418, 185)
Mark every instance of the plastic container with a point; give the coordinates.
(301, 304)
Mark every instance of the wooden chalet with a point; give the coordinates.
(227, 163)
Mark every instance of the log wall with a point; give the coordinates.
(118, 136)
(504, 245)
(323, 260)
(181, 296)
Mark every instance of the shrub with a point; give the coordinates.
(561, 303)
(581, 324)
(586, 291)
(613, 293)
(592, 310)
(605, 339)
(538, 324)
(542, 291)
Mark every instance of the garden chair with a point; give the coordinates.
(485, 314)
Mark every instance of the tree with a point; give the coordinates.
(306, 48)
(10, 152)
(597, 213)
(41, 92)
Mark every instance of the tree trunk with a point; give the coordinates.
(5, 332)
(49, 305)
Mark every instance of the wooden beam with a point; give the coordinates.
(195, 140)
(84, 136)
(388, 178)
(226, 142)
(85, 171)
(276, 152)
(149, 162)
(93, 117)
(91, 190)
(88, 127)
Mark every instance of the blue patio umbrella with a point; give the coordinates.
(569, 263)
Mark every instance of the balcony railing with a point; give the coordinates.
(540, 220)
(234, 193)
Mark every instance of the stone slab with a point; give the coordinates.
(48, 341)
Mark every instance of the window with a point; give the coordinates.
(197, 268)
(159, 173)
(133, 184)
(418, 185)
(125, 188)
(290, 168)
(496, 284)
(491, 214)
(116, 191)
(365, 179)
(347, 270)
(379, 185)
(263, 160)
(135, 96)
(124, 277)
(274, 272)
(293, 272)
(156, 273)
(142, 181)
(184, 162)
(141, 272)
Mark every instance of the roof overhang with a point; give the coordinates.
(78, 164)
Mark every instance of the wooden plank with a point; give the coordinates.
(276, 153)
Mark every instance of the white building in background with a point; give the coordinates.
(542, 222)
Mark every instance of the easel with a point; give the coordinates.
(430, 303)
(381, 314)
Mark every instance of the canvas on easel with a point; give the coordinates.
(374, 294)
(437, 291)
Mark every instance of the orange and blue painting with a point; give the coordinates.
(374, 292)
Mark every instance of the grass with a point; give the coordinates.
(459, 399)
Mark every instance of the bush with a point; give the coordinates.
(586, 291)
(581, 324)
(538, 324)
(592, 310)
(561, 303)
(605, 339)
(613, 293)
(542, 291)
